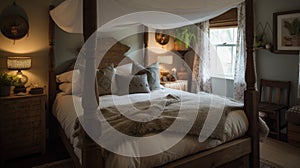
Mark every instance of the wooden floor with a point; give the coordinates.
(55, 151)
(281, 153)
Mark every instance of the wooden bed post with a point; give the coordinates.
(91, 151)
(51, 84)
(251, 94)
(51, 79)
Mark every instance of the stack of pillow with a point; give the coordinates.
(125, 79)
(68, 79)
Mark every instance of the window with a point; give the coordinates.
(223, 51)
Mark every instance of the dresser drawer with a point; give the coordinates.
(22, 125)
(294, 134)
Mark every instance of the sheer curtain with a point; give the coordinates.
(239, 83)
(201, 75)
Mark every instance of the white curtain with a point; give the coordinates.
(125, 13)
(201, 75)
(241, 56)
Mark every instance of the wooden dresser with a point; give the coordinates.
(22, 125)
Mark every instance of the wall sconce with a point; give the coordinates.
(19, 63)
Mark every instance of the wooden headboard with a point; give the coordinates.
(115, 55)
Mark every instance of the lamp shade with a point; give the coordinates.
(166, 59)
(18, 63)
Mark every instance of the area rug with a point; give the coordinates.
(67, 163)
(268, 164)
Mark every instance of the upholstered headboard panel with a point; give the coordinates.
(115, 55)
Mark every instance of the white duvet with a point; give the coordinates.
(235, 126)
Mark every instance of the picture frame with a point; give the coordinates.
(286, 32)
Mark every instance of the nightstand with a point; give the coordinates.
(178, 84)
(22, 125)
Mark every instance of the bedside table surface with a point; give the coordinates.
(12, 96)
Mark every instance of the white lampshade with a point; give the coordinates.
(18, 63)
(166, 59)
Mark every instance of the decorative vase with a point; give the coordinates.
(4, 91)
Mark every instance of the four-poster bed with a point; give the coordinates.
(241, 152)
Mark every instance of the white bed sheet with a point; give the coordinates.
(235, 126)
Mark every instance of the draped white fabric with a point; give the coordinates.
(201, 68)
(68, 15)
(239, 82)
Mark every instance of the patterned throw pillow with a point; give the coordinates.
(152, 72)
(104, 79)
(128, 84)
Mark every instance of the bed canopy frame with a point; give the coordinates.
(245, 151)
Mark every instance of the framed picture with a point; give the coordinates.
(286, 32)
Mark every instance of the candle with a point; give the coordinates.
(173, 71)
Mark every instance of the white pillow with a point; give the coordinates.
(120, 70)
(68, 76)
(66, 88)
(124, 69)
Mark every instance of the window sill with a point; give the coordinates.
(222, 77)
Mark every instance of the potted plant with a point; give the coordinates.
(6, 81)
(184, 37)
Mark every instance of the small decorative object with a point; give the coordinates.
(171, 78)
(164, 76)
(37, 90)
(173, 70)
(268, 46)
(286, 32)
(162, 37)
(167, 76)
(14, 22)
(19, 63)
(6, 81)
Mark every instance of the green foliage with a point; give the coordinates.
(293, 27)
(186, 34)
(7, 80)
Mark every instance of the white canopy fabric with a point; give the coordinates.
(158, 14)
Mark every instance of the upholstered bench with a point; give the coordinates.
(293, 119)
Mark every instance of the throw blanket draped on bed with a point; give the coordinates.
(157, 115)
(164, 112)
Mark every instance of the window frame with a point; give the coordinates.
(213, 62)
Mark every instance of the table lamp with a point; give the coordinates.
(19, 63)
